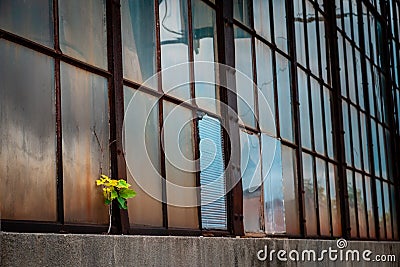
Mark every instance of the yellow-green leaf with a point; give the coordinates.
(127, 193)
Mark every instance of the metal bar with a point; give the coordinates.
(337, 122)
(116, 95)
(57, 81)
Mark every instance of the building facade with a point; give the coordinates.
(297, 128)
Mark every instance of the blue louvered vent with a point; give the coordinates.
(212, 179)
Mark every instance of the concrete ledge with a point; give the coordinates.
(99, 250)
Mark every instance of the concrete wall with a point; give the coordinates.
(101, 250)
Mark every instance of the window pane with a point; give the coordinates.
(142, 137)
(322, 198)
(205, 48)
(241, 11)
(311, 208)
(312, 38)
(251, 179)
(388, 214)
(265, 84)
(362, 219)
(364, 142)
(262, 18)
(83, 30)
(138, 40)
(304, 109)
(212, 178)
(323, 47)
(355, 137)
(28, 135)
(280, 23)
(346, 128)
(394, 212)
(352, 205)
(244, 83)
(335, 201)
(84, 108)
(274, 210)
(328, 122)
(370, 211)
(174, 34)
(180, 167)
(30, 19)
(299, 31)
(317, 117)
(284, 97)
(290, 190)
(380, 209)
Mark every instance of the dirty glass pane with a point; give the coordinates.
(382, 154)
(328, 122)
(279, 12)
(262, 18)
(364, 142)
(370, 211)
(375, 151)
(29, 19)
(299, 31)
(347, 136)
(323, 198)
(355, 137)
(205, 49)
(83, 30)
(290, 190)
(241, 11)
(350, 72)
(362, 218)
(342, 66)
(323, 47)
(138, 40)
(274, 210)
(317, 116)
(380, 209)
(28, 135)
(85, 128)
(304, 109)
(174, 34)
(335, 201)
(360, 82)
(251, 179)
(312, 38)
(265, 86)
(244, 83)
(394, 212)
(352, 207)
(354, 13)
(141, 137)
(284, 97)
(371, 92)
(309, 194)
(180, 167)
(388, 214)
(347, 22)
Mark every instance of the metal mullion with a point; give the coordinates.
(161, 115)
(337, 122)
(59, 157)
(195, 133)
(318, 44)
(295, 114)
(320, 156)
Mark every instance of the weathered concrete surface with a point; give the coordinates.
(98, 250)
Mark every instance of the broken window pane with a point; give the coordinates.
(251, 179)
